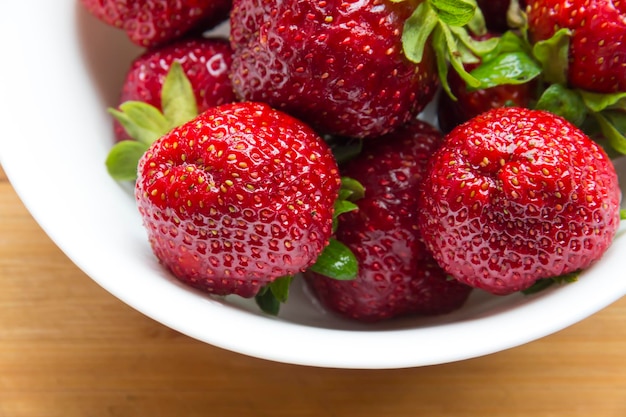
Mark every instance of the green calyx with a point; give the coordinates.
(567, 103)
(337, 260)
(509, 62)
(447, 24)
(544, 283)
(609, 112)
(145, 123)
(272, 295)
(553, 56)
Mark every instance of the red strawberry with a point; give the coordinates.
(597, 51)
(470, 103)
(237, 197)
(205, 61)
(338, 66)
(516, 195)
(397, 276)
(153, 22)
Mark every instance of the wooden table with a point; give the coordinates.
(68, 348)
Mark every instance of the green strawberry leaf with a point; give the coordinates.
(343, 206)
(351, 189)
(177, 97)
(417, 29)
(508, 42)
(446, 24)
(564, 102)
(454, 12)
(267, 302)
(612, 124)
(458, 57)
(507, 59)
(597, 101)
(439, 44)
(280, 288)
(121, 162)
(142, 121)
(477, 24)
(553, 54)
(544, 283)
(336, 261)
(478, 48)
(271, 296)
(538, 286)
(622, 214)
(508, 68)
(145, 123)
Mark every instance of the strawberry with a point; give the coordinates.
(338, 66)
(237, 197)
(516, 195)
(205, 61)
(597, 51)
(153, 22)
(397, 276)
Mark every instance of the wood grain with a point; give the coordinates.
(68, 348)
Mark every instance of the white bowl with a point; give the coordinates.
(60, 69)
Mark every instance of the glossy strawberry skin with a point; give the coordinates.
(597, 54)
(154, 22)
(397, 276)
(237, 197)
(515, 195)
(338, 66)
(206, 62)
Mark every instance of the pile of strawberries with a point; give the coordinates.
(294, 148)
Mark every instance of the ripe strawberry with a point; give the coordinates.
(597, 51)
(338, 66)
(205, 61)
(397, 276)
(237, 197)
(153, 22)
(515, 195)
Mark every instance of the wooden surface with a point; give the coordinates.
(68, 348)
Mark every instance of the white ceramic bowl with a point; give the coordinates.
(60, 69)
